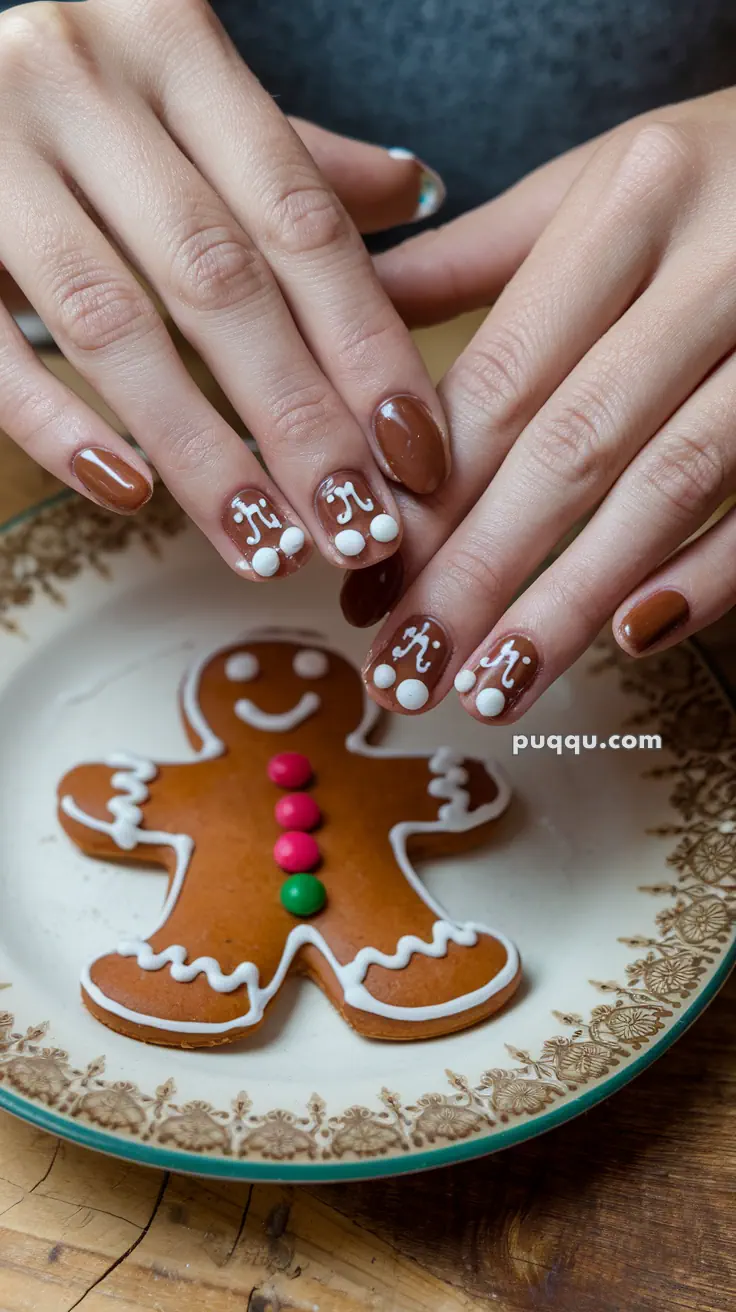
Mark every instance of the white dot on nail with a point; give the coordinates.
(526, 660)
(384, 676)
(291, 541)
(349, 542)
(266, 562)
(490, 702)
(412, 694)
(464, 680)
(384, 528)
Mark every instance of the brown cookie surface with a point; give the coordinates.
(288, 796)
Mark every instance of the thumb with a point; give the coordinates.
(465, 264)
(379, 188)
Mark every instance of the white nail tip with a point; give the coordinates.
(412, 694)
(432, 190)
(266, 562)
(384, 528)
(384, 676)
(464, 680)
(490, 702)
(349, 542)
(291, 541)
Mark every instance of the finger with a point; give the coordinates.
(109, 329)
(665, 495)
(543, 488)
(253, 159)
(692, 590)
(379, 188)
(222, 295)
(63, 434)
(465, 264)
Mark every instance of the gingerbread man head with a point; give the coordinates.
(272, 687)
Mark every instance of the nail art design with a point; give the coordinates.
(111, 480)
(411, 443)
(411, 665)
(269, 543)
(498, 680)
(432, 190)
(654, 618)
(369, 594)
(352, 516)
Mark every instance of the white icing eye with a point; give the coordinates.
(310, 664)
(241, 667)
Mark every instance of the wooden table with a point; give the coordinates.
(630, 1208)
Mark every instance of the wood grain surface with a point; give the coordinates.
(630, 1208)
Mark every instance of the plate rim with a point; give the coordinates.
(241, 1169)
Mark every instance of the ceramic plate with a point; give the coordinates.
(613, 870)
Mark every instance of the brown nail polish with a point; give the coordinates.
(654, 618)
(271, 544)
(412, 444)
(409, 667)
(496, 683)
(111, 480)
(368, 594)
(358, 526)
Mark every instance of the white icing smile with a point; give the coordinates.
(280, 721)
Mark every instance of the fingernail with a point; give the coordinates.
(432, 190)
(111, 480)
(496, 683)
(654, 618)
(368, 594)
(270, 543)
(355, 521)
(408, 668)
(412, 443)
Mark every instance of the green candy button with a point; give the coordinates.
(303, 895)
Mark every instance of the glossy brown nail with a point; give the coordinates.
(412, 443)
(654, 618)
(358, 526)
(368, 594)
(496, 682)
(270, 543)
(111, 480)
(407, 669)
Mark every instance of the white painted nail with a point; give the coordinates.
(432, 190)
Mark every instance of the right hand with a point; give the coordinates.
(133, 126)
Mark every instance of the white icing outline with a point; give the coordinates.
(132, 775)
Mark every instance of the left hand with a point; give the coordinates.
(603, 380)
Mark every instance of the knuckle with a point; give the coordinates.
(364, 346)
(191, 447)
(214, 268)
(686, 471)
(656, 155)
(40, 41)
(304, 218)
(493, 377)
(470, 572)
(95, 310)
(573, 443)
(299, 417)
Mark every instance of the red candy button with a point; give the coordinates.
(296, 853)
(298, 811)
(289, 770)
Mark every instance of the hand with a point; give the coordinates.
(133, 126)
(602, 384)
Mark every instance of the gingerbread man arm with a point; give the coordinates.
(110, 811)
(451, 795)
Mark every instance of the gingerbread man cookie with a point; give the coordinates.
(289, 844)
